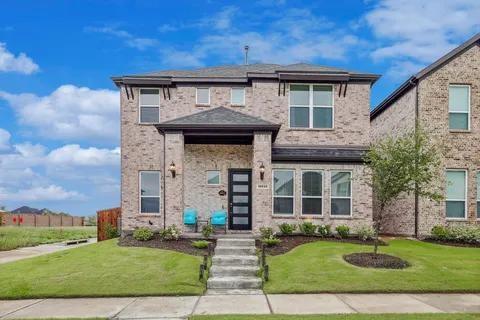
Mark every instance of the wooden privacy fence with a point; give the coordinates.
(106, 219)
(37, 220)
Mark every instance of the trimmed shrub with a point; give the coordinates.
(343, 231)
(272, 241)
(461, 234)
(308, 228)
(324, 230)
(200, 244)
(365, 233)
(171, 233)
(287, 228)
(111, 232)
(266, 232)
(440, 233)
(207, 230)
(143, 234)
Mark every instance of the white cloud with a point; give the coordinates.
(4, 139)
(129, 39)
(74, 155)
(48, 193)
(11, 63)
(70, 113)
(417, 32)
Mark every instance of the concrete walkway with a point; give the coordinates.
(30, 252)
(182, 307)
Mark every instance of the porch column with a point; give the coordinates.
(174, 153)
(262, 189)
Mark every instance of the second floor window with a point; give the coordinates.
(203, 96)
(238, 97)
(459, 107)
(149, 106)
(311, 106)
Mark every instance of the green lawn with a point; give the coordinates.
(102, 269)
(448, 316)
(16, 237)
(319, 267)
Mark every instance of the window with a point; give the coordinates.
(238, 96)
(459, 107)
(283, 190)
(341, 199)
(478, 195)
(203, 96)
(456, 194)
(149, 191)
(311, 106)
(312, 192)
(149, 105)
(213, 177)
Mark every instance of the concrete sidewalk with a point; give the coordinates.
(183, 307)
(30, 252)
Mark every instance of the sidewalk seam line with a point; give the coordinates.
(348, 304)
(425, 303)
(21, 308)
(268, 303)
(195, 305)
(116, 314)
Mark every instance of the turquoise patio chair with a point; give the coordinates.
(190, 218)
(219, 219)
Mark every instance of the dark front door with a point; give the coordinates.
(240, 199)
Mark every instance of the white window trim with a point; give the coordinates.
(340, 216)
(140, 193)
(311, 106)
(311, 197)
(231, 97)
(196, 96)
(140, 105)
(219, 178)
(461, 112)
(274, 196)
(464, 200)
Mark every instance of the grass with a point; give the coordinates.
(319, 267)
(17, 237)
(102, 270)
(431, 316)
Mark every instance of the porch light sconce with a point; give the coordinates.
(262, 171)
(172, 169)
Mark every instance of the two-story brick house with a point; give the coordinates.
(445, 100)
(268, 143)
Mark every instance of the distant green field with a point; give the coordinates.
(17, 237)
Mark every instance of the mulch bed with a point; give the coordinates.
(372, 260)
(453, 243)
(181, 245)
(290, 242)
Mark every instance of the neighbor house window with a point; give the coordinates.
(459, 107)
(238, 96)
(456, 194)
(149, 191)
(213, 177)
(149, 105)
(203, 96)
(312, 192)
(341, 199)
(478, 195)
(311, 106)
(283, 191)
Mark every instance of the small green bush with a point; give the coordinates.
(287, 228)
(461, 234)
(272, 241)
(111, 232)
(200, 244)
(266, 232)
(324, 230)
(343, 231)
(440, 233)
(207, 230)
(143, 234)
(308, 228)
(365, 233)
(171, 233)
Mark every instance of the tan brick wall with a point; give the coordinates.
(262, 195)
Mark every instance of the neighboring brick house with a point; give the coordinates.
(445, 98)
(220, 137)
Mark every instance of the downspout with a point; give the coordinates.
(416, 213)
(164, 178)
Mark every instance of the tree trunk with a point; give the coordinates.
(377, 229)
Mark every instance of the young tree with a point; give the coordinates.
(408, 164)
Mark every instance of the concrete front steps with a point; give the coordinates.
(234, 267)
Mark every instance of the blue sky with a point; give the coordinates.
(59, 128)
